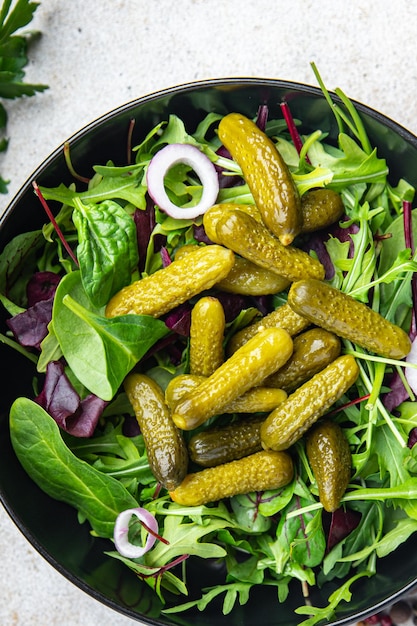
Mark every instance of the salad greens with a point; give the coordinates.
(284, 535)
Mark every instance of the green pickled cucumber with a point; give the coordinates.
(223, 444)
(164, 443)
(313, 350)
(348, 318)
(260, 471)
(283, 317)
(174, 284)
(241, 233)
(320, 208)
(291, 419)
(206, 336)
(257, 399)
(266, 173)
(249, 279)
(262, 355)
(217, 211)
(330, 458)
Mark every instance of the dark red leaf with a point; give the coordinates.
(59, 398)
(41, 286)
(342, 522)
(31, 326)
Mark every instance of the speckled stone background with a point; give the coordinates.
(98, 54)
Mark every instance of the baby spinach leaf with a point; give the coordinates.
(38, 445)
(107, 249)
(99, 350)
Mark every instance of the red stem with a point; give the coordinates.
(296, 139)
(54, 222)
(348, 404)
(153, 533)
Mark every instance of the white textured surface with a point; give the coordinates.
(97, 54)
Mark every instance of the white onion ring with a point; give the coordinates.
(121, 528)
(171, 155)
(410, 372)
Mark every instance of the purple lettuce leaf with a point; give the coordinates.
(31, 327)
(41, 286)
(59, 398)
(145, 222)
(397, 394)
(342, 522)
(412, 438)
(179, 319)
(262, 116)
(316, 243)
(200, 234)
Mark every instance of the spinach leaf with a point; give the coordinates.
(100, 351)
(38, 445)
(107, 248)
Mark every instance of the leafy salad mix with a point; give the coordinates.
(78, 438)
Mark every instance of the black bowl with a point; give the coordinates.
(52, 527)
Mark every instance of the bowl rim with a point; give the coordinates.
(307, 88)
(236, 81)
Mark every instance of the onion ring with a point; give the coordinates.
(162, 162)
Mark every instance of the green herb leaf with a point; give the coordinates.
(107, 248)
(38, 445)
(100, 351)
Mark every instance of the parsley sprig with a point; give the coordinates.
(13, 59)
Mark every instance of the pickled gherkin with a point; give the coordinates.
(248, 279)
(320, 208)
(226, 443)
(266, 174)
(164, 443)
(257, 472)
(331, 461)
(206, 336)
(257, 399)
(217, 211)
(288, 423)
(263, 354)
(241, 233)
(174, 284)
(348, 318)
(283, 317)
(313, 350)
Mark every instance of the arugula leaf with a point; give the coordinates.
(343, 593)
(119, 187)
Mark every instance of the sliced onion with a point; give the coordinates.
(162, 162)
(410, 372)
(121, 532)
